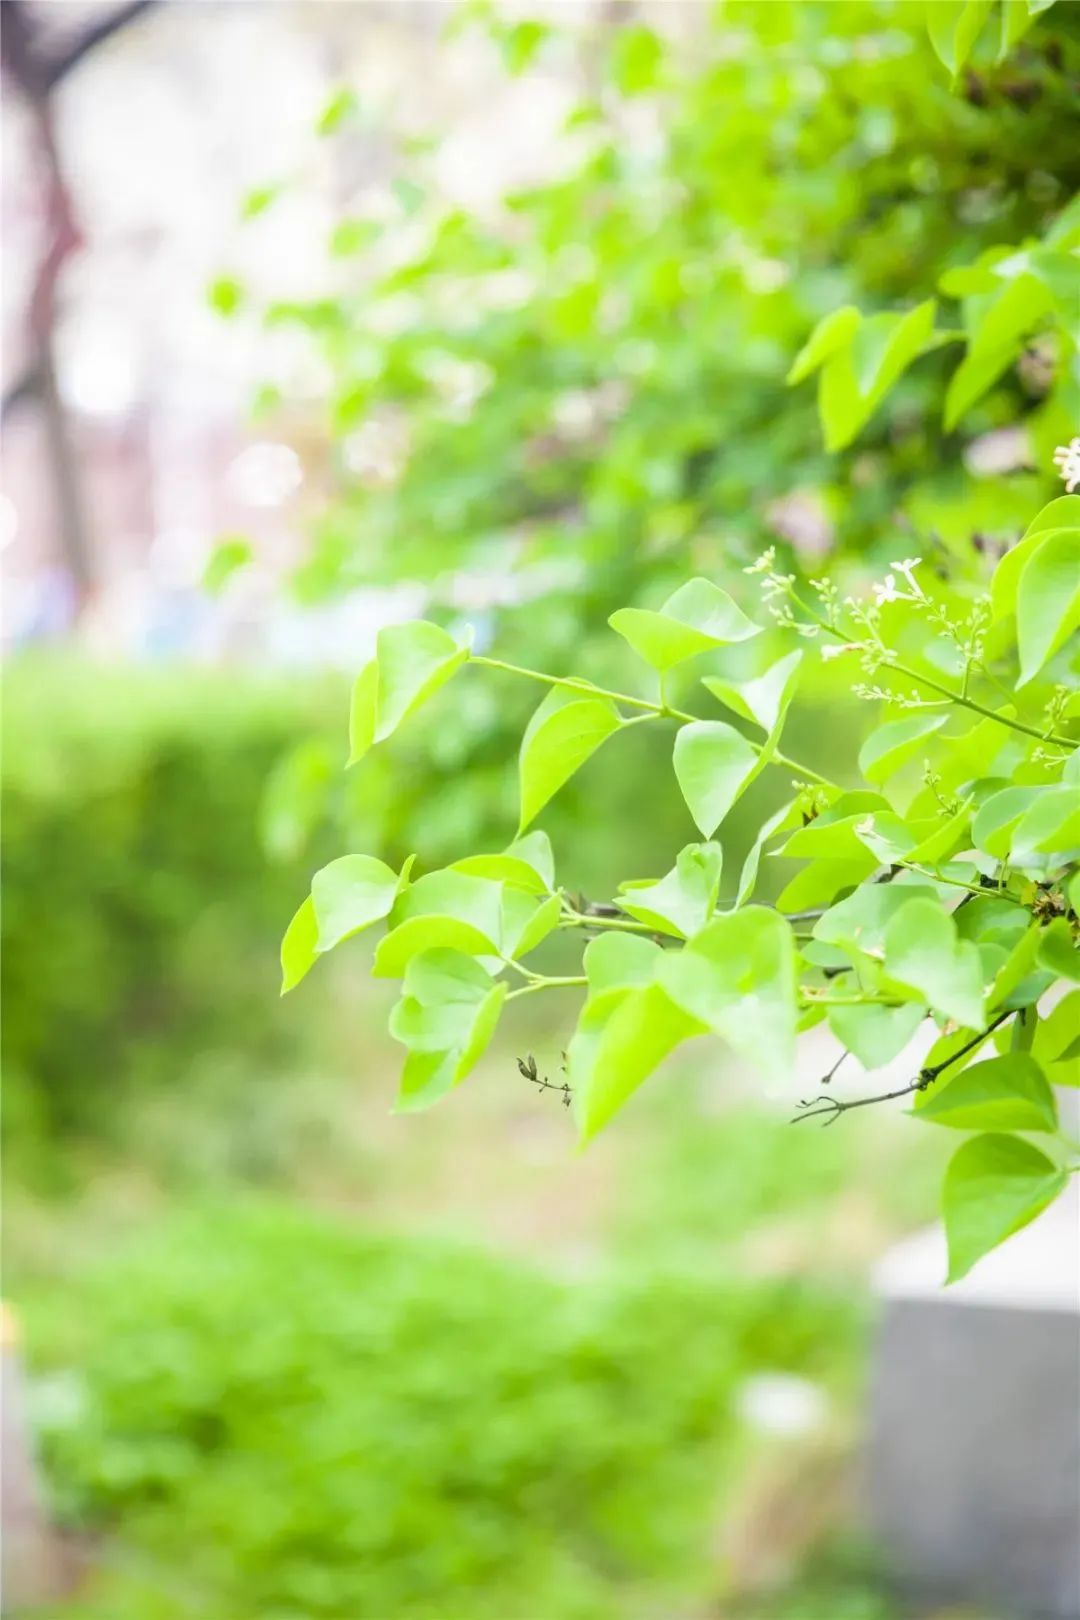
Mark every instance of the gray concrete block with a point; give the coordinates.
(974, 1451)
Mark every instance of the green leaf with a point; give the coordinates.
(350, 894)
(622, 1037)
(713, 763)
(1051, 827)
(890, 746)
(525, 924)
(341, 105)
(885, 345)
(1016, 19)
(819, 882)
(684, 900)
(922, 950)
(697, 618)
(834, 331)
(446, 1016)
(226, 296)
(875, 1034)
(299, 947)
(764, 699)
(637, 54)
(442, 911)
(232, 552)
(411, 662)
(1047, 600)
(565, 730)
(999, 815)
(996, 339)
(954, 26)
(737, 977)
(1057, 1041)
(994, 1185)
(620, 962)
(1059, 951)
(778, 822)
(1062, 515)
(854, 380)
(527, 864)
(1007, 1093)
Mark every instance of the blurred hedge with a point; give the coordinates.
(275, 1416)
(140, 916)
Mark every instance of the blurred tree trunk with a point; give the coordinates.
(37, 72)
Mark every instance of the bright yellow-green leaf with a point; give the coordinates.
(411, 662)
(351, 894)
(995, 1184)
(890, 746)
(565, 730)
(621, 1049)
(299, 947)
(1047, 600)
(683, 901)
(713, 764)
(922, 950)
(697, 618)
(1006, 1093)
(737, 978)
(834, 331)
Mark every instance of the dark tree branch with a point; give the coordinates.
(94, 36)
(830, 1108)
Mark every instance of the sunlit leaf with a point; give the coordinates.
(697, 618)
(922, 950)
(1007, 1093)
(737, 978)
(1047, 600)
(299, 947)
(350, 894)
(566, 729)
(713, 763)
(683, 901)
(995, 1184)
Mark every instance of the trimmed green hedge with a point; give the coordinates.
(140, 916)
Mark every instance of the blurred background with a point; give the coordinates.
(317, 316)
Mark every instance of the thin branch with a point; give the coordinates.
(60, 66)
(830, 1108)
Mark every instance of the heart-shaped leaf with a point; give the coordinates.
(411, 662)
(922, 950)
(713, 763)
(995, 1184)
(1007, 1093)
(683, 901)
(737, 978)
(566, 729)
(697, 618)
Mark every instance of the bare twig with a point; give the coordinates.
(829, 1109)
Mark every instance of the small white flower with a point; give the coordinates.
(1067, 462)
(888, 592)
(834, 651)
(907, 568)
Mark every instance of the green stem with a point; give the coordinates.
(928, 681)
(581, 919)
(662, 711)
(547, 984)
(939, 877)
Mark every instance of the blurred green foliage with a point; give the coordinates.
(289, 1418)
(569, 399)
(582, 388)
(139, 910)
